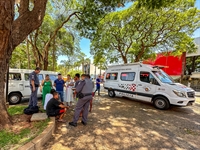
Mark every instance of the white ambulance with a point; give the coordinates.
(19, 85)
(147, 83)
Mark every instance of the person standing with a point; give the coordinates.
(84, 90)
(69, 92)
(90, 110)
(98, 81)
(59, 85)
(34, 84)
(47, 86)
(76, 80)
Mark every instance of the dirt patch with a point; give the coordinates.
(20, 122)
(121, 123)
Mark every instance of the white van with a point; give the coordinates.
(19, 85)
(146, 83)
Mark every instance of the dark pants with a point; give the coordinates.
(82, 104)
(61, 95)
(33, 98)
(97, 89)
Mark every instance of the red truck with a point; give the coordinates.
(173, 65)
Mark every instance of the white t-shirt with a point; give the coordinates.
(47, 98)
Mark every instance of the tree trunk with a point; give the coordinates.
(54, 54)
(124, 59)
(12, 33)
(83, 66)
(5, 120)
(193, 63)
(45, 56)
(37, 55)
(138, 56)
(28, 54)
(6, 20)
(189, 70)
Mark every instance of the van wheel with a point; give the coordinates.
(14, 98)
(161, 103)
(111, 93)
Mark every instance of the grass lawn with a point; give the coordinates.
(12, 139)
(16, 110)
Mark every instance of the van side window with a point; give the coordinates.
(111, 76)
(14, 76)
(26, 76)
(40, 76)
(127, 76)
(148, 77)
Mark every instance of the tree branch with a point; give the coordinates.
(23, 8)
(28, 22)
(58, 28)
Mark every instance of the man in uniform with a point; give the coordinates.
(85, 88)
(76, 79)
(34, 84)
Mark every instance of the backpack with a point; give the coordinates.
(31, 110)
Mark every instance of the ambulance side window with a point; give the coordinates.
(144, 77)
(148, 78)
(127, 76)
(111, 76)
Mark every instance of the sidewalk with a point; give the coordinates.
(197, 94)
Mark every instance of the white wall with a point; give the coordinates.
(197, 42)
(92, 71)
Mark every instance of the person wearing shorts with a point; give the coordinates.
(55, 108)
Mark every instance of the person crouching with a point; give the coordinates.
(55, 108)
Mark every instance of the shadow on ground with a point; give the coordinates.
(121, 123)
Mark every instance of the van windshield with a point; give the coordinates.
(163, 77)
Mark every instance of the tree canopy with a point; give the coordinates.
(135, 34)
(58, 33)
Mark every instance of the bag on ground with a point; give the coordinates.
(31, 110)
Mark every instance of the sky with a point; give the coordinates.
(85, 43)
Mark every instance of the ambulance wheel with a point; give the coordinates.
(14, 98)
(111, 93)
(161, 103)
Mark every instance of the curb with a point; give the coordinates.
(41, 139)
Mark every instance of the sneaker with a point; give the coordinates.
(72, 124)
(84, 123)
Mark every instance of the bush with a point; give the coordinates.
(73, 72)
